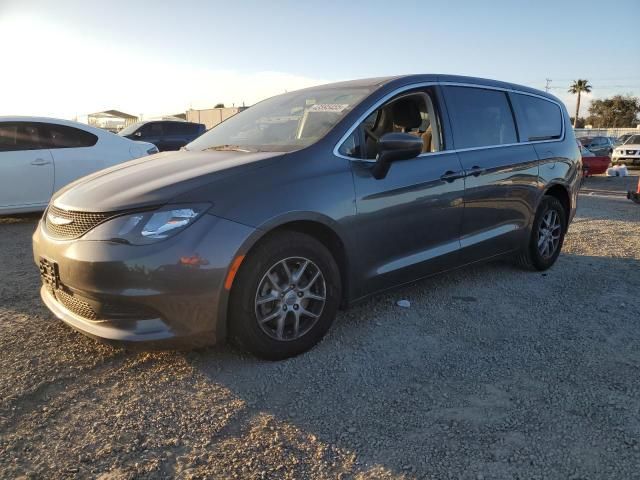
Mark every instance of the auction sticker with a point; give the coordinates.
(329, 107)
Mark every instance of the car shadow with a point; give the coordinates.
(20, 218)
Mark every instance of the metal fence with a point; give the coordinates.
(604, 132)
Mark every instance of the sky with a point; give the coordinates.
(68, 58)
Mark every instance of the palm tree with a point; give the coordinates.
(577, 87)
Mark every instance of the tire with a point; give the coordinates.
(531, 257)
(263, 276)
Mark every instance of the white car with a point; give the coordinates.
(38, 156)
(627, 153)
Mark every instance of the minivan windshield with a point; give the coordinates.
(284, 123)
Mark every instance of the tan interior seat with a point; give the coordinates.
(403, 115)
(427, 140)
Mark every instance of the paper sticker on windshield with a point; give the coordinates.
(329, 107)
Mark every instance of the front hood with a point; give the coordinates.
(631, 146)
(153, 180)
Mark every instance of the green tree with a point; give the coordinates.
(577, 88)
(618, 111)
(219, 105)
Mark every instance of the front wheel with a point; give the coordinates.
(285, 296)
(547, 235)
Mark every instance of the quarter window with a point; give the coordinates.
(480, 117)
(542, 119)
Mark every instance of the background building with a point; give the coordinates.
(212, 116)
(112, 120)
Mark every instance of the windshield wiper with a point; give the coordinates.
(229, 148)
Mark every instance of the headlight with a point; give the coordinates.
(144, 228)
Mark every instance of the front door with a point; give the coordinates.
(408, 223)
(26, 168)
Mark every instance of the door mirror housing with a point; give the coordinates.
(394, 147)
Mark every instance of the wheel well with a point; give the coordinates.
(560, 192)
(329, 238)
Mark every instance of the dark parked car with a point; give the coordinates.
(599, 146)
(164, 134)
(306, 202)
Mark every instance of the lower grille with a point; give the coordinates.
(102, 311)
(68, 224)
(75, 305)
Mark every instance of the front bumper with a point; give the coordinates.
(170, 292)
(629, 161)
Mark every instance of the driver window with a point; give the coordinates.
(412, 113)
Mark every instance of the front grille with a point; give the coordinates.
(631, 152)
(69, 224)
(75, 305)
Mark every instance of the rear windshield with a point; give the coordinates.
(284, 123)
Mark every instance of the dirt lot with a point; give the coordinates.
(492, 373)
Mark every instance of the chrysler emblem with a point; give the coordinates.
(56, 220)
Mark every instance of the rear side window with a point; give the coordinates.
(22, 136)
(181, 128)
(542, 120)
(191, 128)
(480, 117)
(174, 129)
(61, 136)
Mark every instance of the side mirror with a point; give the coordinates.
(393, 147)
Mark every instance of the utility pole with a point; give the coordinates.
(548, 85)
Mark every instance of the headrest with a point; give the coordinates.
(406, 114)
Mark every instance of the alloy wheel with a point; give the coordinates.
(549, 234)
(290, 298)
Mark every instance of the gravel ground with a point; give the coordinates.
(492, 373)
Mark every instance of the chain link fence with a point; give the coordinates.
(604, 132)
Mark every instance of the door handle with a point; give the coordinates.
(475, 171)
(40, 161)
(450, 176)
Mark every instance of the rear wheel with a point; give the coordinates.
(285, 296)
(547, 235)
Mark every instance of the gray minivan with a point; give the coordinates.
(308, 201)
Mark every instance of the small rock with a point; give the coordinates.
(404, 303)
